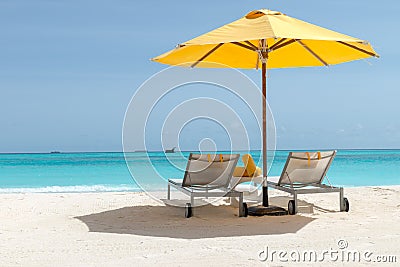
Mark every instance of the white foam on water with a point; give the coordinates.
(72, 189)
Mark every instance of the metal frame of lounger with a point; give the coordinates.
(301, 188)
(194, 190)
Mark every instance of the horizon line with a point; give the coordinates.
(159, 151)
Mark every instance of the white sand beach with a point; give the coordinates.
(130, 229)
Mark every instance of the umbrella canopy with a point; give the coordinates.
(267, 39)
(288, 42)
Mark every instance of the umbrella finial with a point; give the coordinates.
(256, 14)
(261, 12)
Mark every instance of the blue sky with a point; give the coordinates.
(69, 68)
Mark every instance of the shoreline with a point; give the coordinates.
(40, 190)
(109, 228)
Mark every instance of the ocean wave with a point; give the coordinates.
(72, 189)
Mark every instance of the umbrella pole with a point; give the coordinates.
(265, 208)
(264, 140)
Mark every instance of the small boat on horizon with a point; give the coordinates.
(55, 152)
(170, 150)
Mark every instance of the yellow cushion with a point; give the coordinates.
(258, 172)
(250, 169)
(249, 164)
(240, 172)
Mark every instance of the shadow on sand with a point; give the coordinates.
(207, 222)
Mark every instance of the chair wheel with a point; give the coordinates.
(188, 210)
(291, 207)
(245, 210)
(346, 205)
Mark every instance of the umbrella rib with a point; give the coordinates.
(312, 52)
(277, 43)
(245, 46)
(359, 49)
(206, 55)
(250, 44)
(283, 44)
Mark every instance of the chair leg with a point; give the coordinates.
(241, 205)
(169, 192)
(295, 202)
(341, 199)
(192, 203)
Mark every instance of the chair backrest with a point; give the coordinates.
(209, 171)
(306, 167)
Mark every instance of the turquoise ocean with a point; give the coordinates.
(101, 172)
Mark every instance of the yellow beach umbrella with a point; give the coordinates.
(267, 39)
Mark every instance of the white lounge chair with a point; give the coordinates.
(206, 176)
(303, 174)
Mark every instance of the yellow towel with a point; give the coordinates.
(249, 170)
(249, 164)
(240, 172)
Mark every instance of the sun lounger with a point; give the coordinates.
(304, 173)
(208, 175)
